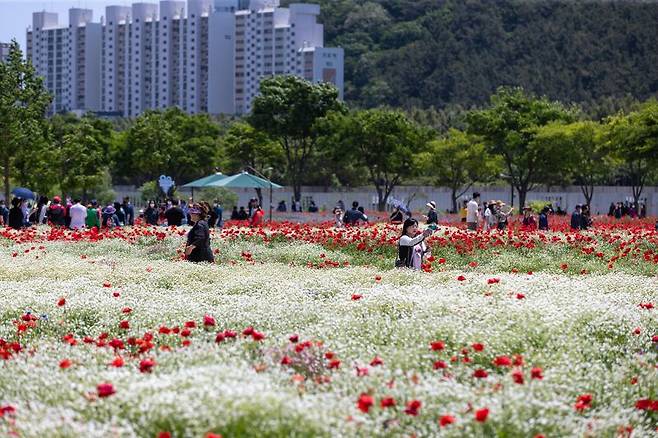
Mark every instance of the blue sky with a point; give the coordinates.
(16, 15)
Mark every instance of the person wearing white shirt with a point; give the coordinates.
(411, 246)
(472, 213)
(78, 214)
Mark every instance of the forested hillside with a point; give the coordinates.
(423, 53)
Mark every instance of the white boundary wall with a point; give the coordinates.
(565, 197)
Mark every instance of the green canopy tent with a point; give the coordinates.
(245, 180)
(204, 182)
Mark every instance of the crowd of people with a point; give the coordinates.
(619, 210)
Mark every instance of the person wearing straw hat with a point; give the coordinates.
(502, 214)
(432, 217)
(198, 239)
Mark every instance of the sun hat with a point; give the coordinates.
(194, 210)
(431, 205)
(109, 210)
(57, 199)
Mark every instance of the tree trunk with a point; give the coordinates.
(6, 180)
(588, 193)
(523, 192)
(511, 202)
(381, 200)
(259, 194)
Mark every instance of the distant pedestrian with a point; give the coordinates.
(93, 219)
(57, 212)
(257, 217)
(396, 217)
(543, 219)
(174, 215)
(432, 215)
(576, 218)
(16, 215)
(472, 213)
(4, 213)
(151, 214)
(109, 217)
(129, 211)
(78, 214)
(219, 212)
(353, 216)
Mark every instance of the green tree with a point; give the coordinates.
(458, 161)
(244, 146)
(509, 127)
(288, 110)
(587, 161)
(384, 142)
(23, 104)
(633, 139)
(170, 142)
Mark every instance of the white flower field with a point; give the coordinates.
(294, 337)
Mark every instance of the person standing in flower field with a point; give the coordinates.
(432, 215)
(78, 214)
(576, 218)
(472, 213)
(198, 239)
(93, 215)
(543, 219)
(57, 212)
(411, 246)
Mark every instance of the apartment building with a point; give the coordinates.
(68, 58)
(4, 51)
(199, 55)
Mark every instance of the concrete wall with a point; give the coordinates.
(566, 197)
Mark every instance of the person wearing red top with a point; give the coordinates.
(257, 218)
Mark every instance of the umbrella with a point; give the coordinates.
(244, 180)
(23, 193)
(203, 182)
(248, 181)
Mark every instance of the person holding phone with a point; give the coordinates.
(411, 246)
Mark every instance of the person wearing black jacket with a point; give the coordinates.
(432, 216)
(175, 215)
(151, 214)
(576, 219)
(198, 239)
(16, 214)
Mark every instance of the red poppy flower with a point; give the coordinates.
(213, 435)
(190, 324)
(208, 321)
(257, 336)
(440, 365)
(146, 365)
(481, 415)
(124, 325)
(356, 297)
(105, 389)
(520, 296)
(480, 374)
(387, 402)
(117, 362)
(334, 364)
(583, 402)
(437, 345)
(248, 331)
(61, 302)
(126, 310)
(446, 420)
(412, 408)
(294, 338)
(461, 278)
(517, 376)
(643, 404)
(164, 435)
(378, 278)
(116, 294)
(502, 361)
(285, 360)
(536, 373)
(376, 361)
(364, 403)
(65, 363)
(478, 347)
